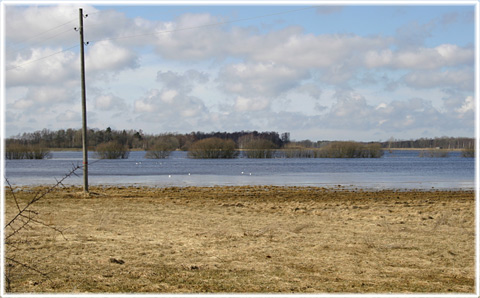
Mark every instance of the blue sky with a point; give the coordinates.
(362, 72)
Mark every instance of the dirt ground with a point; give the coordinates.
(251, 239)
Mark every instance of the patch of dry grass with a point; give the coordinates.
(249, 239)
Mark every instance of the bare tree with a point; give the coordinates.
(213, 148)
(259, 148)
(162, 147)
(112, 150)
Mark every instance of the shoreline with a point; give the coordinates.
(318, 186)
(139, 149)
(324, 187)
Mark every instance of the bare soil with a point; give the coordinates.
(255, 239)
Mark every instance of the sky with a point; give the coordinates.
(363, 72)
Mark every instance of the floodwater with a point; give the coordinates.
(395, 170)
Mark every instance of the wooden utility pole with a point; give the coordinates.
(84, 106)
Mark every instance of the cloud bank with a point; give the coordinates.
(206, 71)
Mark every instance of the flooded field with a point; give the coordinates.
(395, 170)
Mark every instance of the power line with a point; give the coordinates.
(42, 33)
(45, 39)
(41, 58)
(155, 33)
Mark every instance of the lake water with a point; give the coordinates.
(396, 170)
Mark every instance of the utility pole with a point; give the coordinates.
(84, 106)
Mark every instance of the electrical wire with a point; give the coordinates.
(154, 33)
(45, 39)
(42, 33)
(41, 58)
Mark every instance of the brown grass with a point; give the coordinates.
(249, 239)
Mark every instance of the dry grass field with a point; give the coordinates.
(246, 240)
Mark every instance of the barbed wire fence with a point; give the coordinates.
(25, 218)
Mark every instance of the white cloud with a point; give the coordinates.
(350, 110)
(459, 78)
(186, 43)
(69, 116)
(173, 105)
(147, 104)
(190, 112)
(168, 96)
(378, 58)
(381, 106)
(237, 76)
(41, 98)
(467, 106)
(106, 56)
(259, 79)
(108, 102)
(184, 113)
(49, 95)
(408, 114)
(23, 104)
(31, 24)
(313, 90)
(294, 48)
(34, 69)
(182, 82)
(431, 58)
(251, 104)
(120, 29)
(444, 55)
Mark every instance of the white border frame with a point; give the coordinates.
(475, 3)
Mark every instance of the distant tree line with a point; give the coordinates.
(72, 138)
(110, 143)
(134, 139)
(438, 142)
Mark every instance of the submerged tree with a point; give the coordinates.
(15, 150)
(259, 148)
(434, 153)
(162, 147)
(213, 148)
(469, 151)
(296, 150)
(112, 150)
(351, 150)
